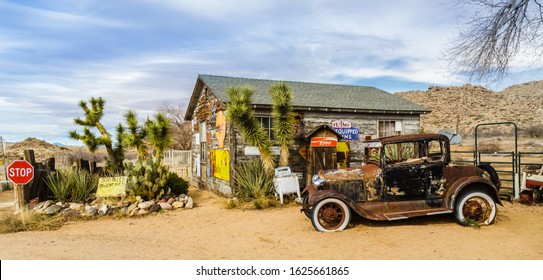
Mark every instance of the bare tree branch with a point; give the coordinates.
(498, 31)
(181, 129)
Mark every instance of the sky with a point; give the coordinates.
(140, 54)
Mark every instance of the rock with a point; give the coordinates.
(171, 201)
(162, 201)
(131, 207)
(178, 204)
(103, 210)
(76, 206)
(133, 212)
(53, 209)
(47, 204)
(90, 211)
(154, 208)
(70, 213)
(138, 199)
(165, 206)
(189, 204)
(182, 197)
(146, 205)
(143, 212)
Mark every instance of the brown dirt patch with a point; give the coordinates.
(209, 231)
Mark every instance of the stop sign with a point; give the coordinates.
(20, 172)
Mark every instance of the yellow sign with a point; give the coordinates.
(220, 161)
(111, 187)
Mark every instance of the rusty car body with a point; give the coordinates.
(403, 176)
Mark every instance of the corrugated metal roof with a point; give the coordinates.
(318, 95)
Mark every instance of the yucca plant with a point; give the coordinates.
(83, 184)
(241, 114)
(283, 118)
(59, 185)
(253, 183)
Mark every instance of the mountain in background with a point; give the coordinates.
(462, 108)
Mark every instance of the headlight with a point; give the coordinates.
(317, 180)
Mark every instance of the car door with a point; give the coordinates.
(404, 171)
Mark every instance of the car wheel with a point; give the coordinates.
(330, 214)
(475, 208)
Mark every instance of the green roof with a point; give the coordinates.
(317, 95)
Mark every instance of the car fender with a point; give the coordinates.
(463, 183)
(322, 194)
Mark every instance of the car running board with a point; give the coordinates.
(417, 213)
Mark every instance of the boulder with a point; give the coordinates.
(143, 212)
(146, 205)
(68, 212)
(165, 206)
(154, 208)
(171, 201)
(131, 207)
(178, 204)
(103, 210)
(189, 204)
(76, 206)
(53, 209)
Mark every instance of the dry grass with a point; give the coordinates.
(29, 221)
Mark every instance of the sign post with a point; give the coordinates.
(20, 172)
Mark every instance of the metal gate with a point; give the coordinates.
(508, 164)
(180, 162)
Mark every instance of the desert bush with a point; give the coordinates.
(254, 184)
(489, 147)
(177, 184)
(534, 131)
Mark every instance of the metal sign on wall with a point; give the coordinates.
(346, 130)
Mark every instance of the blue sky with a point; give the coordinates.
(139, 54)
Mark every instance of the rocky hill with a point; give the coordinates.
(462, 108)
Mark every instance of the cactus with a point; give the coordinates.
(146, 178)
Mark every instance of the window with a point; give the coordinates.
(267, 125)
(408, 152)
(435, 150)
(389, 128)
(203, 144)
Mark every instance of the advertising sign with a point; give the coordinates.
(346, 130)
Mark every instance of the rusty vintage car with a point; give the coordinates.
(403, 176)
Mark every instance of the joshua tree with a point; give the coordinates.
(93, 115)
(283, 119)
(159, 133)
(135, 135)
(241, 114)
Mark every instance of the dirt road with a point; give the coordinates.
(209, 231)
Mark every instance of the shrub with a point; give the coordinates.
(84, 185)
(534, 131)
(254, 183)
(177, 184)
(75, 185)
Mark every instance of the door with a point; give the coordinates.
(405, 171)
(323, 158)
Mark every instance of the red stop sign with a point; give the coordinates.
(20, 172)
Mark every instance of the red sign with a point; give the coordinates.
(323, 142)
(20, 172)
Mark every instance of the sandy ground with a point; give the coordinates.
(211, 232)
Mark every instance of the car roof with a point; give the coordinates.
(410, 137)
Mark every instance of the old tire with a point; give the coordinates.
(475, 208)
(330, 214)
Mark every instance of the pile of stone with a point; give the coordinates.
(97, 208)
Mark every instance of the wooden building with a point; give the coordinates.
(332, 122)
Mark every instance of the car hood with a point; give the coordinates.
(360, 172)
